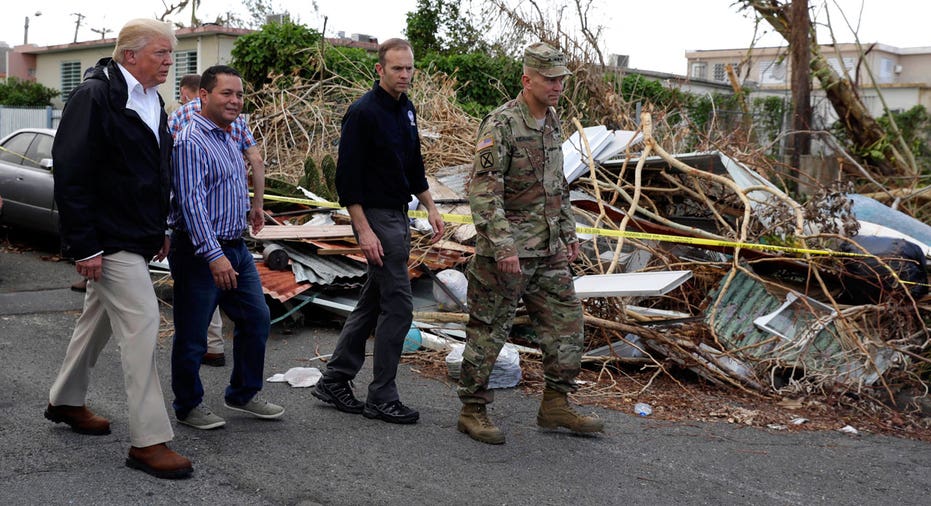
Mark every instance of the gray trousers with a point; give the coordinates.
(384, 307)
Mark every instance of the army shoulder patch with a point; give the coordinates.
(487, 160)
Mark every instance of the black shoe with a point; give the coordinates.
(393, 412)
(213, 359)
(339, 394)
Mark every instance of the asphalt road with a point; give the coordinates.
(317, 455)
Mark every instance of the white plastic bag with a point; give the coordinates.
(301, 377)
(457, 284)
(505, 373)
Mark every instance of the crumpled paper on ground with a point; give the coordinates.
(298, 377)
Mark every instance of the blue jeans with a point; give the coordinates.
(385, 308)
(196, 297)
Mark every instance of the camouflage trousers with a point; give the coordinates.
(555, 312)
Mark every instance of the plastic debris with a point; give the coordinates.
(849, 430)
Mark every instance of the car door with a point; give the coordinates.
(42, 194)
(26, 185)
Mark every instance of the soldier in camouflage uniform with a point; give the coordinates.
(526, 239)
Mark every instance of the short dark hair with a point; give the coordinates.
(390, 44)
(190, 81)
(209, 79)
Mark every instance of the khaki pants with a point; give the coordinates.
(123, 304)
(215, 333)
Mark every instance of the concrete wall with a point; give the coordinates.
(48, 66)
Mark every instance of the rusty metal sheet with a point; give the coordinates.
(280, 285)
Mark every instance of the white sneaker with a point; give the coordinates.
(259, 408)
(202, 418)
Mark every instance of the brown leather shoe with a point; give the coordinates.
(81, 419)
(213, 359)
(159, 461)
(79, 285)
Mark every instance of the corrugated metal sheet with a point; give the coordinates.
(826, 352)
(279, 285)
(455, 177)
(323, 270)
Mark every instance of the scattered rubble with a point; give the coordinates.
(752, 298)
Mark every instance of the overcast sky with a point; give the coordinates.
(654, 33)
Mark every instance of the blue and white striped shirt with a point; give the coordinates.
(210, 196)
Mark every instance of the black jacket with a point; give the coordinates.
(379, 163)
(112, 180)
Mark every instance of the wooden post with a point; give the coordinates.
(799, 45)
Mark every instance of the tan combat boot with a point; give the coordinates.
(555, 411)
(473, 420)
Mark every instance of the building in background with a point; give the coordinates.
(902, 75)
(62, 66)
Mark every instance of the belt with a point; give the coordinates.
(183, 237)
(229, 243)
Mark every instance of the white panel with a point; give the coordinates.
(629, 284)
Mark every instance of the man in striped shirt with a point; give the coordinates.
(209, 260)
(239, 132)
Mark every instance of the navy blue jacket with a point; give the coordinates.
(112, 179)
(379, 163)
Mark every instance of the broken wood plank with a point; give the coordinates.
(304, 232)
(339, 251)
(453, 246)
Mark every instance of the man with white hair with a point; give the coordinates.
(112, 183)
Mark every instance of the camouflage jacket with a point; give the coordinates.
(518, 192)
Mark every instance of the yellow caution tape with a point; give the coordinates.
(20, 155)
(603, 232)
(306, 202)
(467, 219)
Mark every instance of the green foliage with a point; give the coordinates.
(915, 126)
(351, 63)
(636, 88)
(18, 93)
(278, 48)
(440, 26)
(485, 81)
(706, 114)
(768, 115)
(423, 26)
(310, 174)
(328, 168)
(321, 181)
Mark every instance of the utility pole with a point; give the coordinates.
(77, 23)
(800, 47)
(26, 28)
(102, 31)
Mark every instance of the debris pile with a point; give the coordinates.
(769, 304)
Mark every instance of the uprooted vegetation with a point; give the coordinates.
(860, 355)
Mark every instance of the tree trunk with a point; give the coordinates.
(801, 81)
(864, 132)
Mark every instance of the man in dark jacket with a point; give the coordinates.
(379, 167)
(112, 183)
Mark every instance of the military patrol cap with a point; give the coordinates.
(546, 60)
